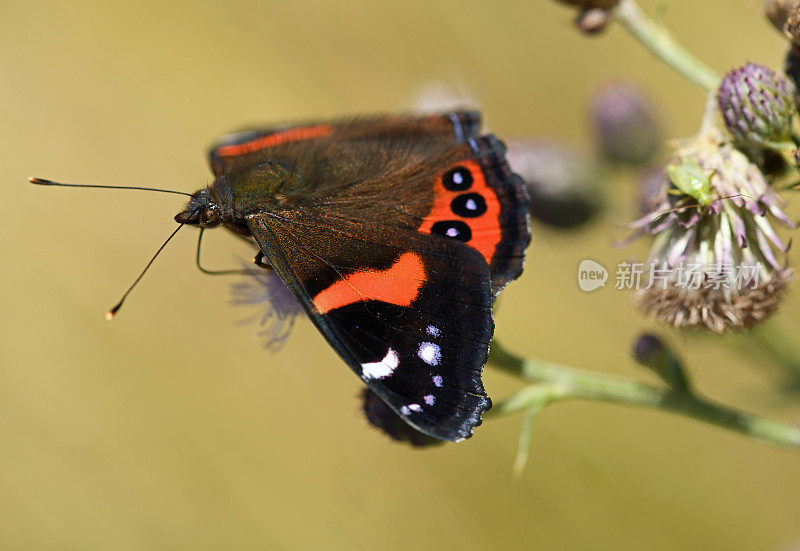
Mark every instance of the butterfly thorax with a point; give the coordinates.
(238, 195)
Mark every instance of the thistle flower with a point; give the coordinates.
(625, 125)
(279, 308)
(716, 260)
(757, 105)
(565, 186)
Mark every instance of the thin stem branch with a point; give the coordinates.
(524, 441)
(662, 45)
(557, 382)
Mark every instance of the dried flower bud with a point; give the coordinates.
(625, 125)
(592, 21)
(778, 11)
(383, 418)
(757, 105)
(593, 15)
(589, 4)
(792, 26)
(565, 186)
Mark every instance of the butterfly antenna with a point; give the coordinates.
(43, 182)
(111, 313)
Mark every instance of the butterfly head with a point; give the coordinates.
(202, 210)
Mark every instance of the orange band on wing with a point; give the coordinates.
(293, 135)
(486, 230)
(398, 285)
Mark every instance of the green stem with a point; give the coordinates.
(563, 383)
(662, 45)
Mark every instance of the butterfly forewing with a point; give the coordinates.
(252, 145)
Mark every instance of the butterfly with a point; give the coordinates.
(395, 234)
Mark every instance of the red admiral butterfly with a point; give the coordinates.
(395, 234)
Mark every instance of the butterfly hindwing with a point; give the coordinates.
(412, 318)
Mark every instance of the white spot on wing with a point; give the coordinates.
(458, 178)
(430, 399)
(429, 353)
(433, 330)
(383, 368)
(404, 410)
(415, 407)
(471, 204)
(452, 232)
(437, 381)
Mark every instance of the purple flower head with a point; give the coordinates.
(757, 105)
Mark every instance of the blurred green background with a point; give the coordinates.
(173, 429)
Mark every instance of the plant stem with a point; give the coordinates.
(662, 45)
(556, 382)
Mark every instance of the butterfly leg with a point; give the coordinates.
(207, 271)
(259, 261)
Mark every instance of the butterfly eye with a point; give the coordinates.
(457, 179)
(209, 218)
